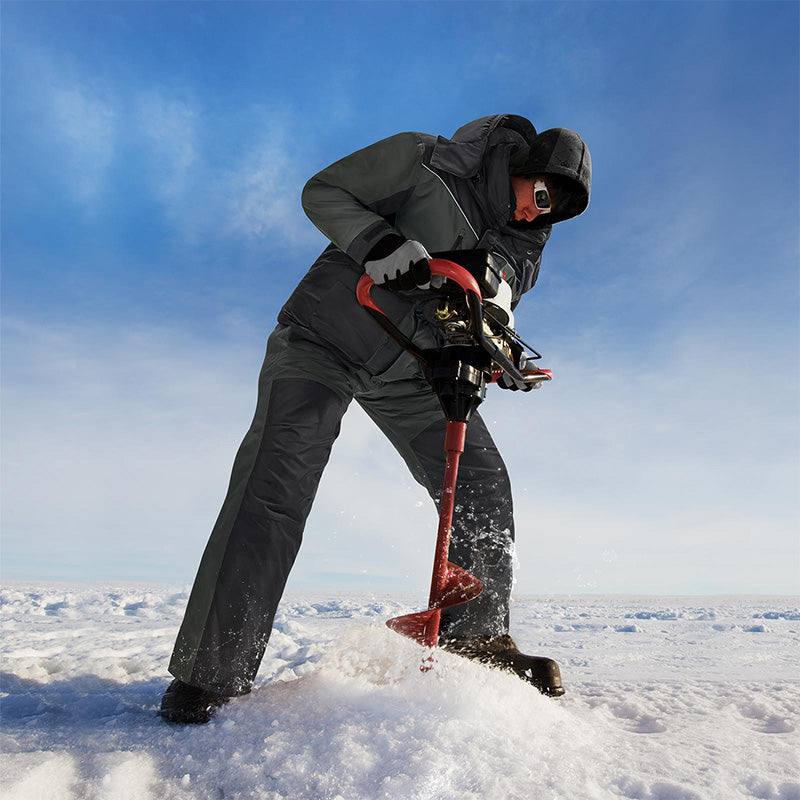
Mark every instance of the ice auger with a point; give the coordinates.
(479, 347)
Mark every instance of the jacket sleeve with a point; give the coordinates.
(352, 201)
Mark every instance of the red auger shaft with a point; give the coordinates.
(450, 585)
(454, 447)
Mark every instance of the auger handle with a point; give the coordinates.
(439, 266)
(463, 278)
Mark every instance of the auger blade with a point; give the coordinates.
(460, 587)
(419, 626)
(423, 626)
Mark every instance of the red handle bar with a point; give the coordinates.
(439, 266)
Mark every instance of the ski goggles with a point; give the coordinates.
(541, 196)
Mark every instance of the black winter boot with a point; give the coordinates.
(502, 652)
(185, 704)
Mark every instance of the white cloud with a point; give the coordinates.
(263, 192)
(250, 195)
(117, 451)
(65, 112)
(118, 446)
(70, 116)
(174, 148)
(686, 469)
(170, 127)
(84, 125)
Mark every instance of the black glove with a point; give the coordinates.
(405, 266)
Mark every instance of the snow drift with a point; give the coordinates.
(668, 699)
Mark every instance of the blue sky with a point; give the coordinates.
(153, 156)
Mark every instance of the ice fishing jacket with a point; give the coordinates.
(448, 194)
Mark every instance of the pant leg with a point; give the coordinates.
(303, 394)
(482, 538)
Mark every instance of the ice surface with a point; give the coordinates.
(667, 699)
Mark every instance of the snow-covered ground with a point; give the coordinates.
(667, 699)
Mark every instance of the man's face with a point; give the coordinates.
(526, 210)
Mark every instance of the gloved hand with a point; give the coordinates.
(505, 381)
(523, 362)
(405, 267)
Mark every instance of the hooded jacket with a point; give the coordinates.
(448, 194)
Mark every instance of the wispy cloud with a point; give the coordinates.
(62, 114)
(82, 127)
(263, 190)
(169, 126)
(250, 192)
(212, 179)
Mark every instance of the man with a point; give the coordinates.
(495, 185)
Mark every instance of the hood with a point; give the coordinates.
(562, 156)
(463, 155)
(482, 152)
